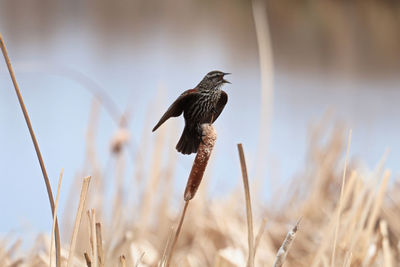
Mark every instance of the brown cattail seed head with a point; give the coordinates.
(200, 162)
(120, 138)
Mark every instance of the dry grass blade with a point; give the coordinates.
(36, 145)
(387, 254)
(340, 200)
(267, 76)
(166, 249)
(87, 259)
(327, 236)
(84, 190)
(93, 237)
(99, 239)
(249, 213)
(259, 235)
(176, 236)
(347, 260)
(283, 250)
(372, 220)
(122, 261)
(54, 217)
(148, 201)
(11, 250)
(16, 263)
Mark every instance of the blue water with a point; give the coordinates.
(149, 76)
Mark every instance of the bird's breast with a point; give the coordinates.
(204, 104)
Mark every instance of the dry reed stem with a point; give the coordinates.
(87, 259)
(166, 249)
(14, 247)
(283, 250)
(99, 239)
(368, 218)
(153, 183)
(387, 254)
(365, 208)
(92, 163)
(267, 84)
(249, 214)
(168, 186)
(327, 234)
(378, 203)
(374, 212)
(90, 85)
(122, 261)
(36, 145)
(17, 263)
(118, 205)
(93, 237)
(89, 226)
(200, 162)
(138, 262)
(368, 221)
(341, 200)
(176, 236)
(10, 251)
(347, 260)
(84, 190)
(259, 235)
(54, 217)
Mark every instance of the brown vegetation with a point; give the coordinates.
(349, 215)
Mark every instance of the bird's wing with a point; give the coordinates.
(220, 105)
(178, 106)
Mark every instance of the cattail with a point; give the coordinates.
(120, 138)
(194, 180)
(200, 162)
(283, 250)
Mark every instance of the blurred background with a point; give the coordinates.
(71, 58)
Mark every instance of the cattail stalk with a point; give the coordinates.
(194, 180)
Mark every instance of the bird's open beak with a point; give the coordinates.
(225, 81)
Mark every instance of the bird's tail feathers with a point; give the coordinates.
(189, 141)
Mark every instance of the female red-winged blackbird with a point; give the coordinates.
(203, 104)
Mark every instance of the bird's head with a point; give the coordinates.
(213, 80)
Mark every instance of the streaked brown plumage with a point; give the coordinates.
(203, 104)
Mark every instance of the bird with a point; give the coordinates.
(202, 104)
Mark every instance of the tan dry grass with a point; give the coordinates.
(215, 234)
(249, 213)
(367, 232)
(35, 144)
